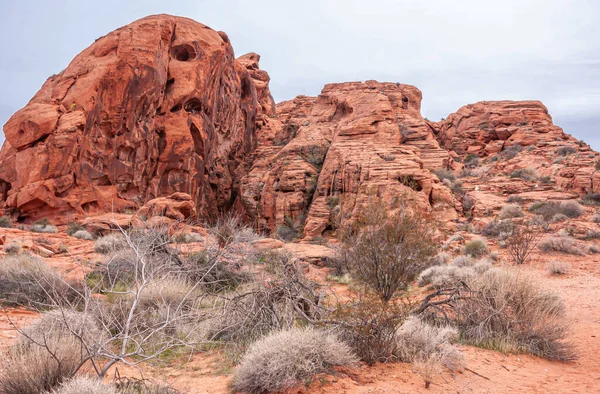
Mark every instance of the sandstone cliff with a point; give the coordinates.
(162, 106)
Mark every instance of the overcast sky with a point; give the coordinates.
(457, 52)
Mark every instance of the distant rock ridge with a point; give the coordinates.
(162, 106)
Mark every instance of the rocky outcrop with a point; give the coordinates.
(161, 107)
(156, 107)
(324, 157)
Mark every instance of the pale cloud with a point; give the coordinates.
(456, 52)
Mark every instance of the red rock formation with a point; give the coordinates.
(178, 206)
(324, 157)
(156, 107)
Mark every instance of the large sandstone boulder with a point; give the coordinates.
(156, 107)
(322, 158)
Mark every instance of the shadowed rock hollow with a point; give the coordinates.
(162, 106)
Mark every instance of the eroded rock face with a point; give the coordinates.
(324, 157)
(156, 107)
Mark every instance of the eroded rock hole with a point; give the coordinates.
(197, 138)
(183, 52)
(176, 107)
(193, 105)
(410, 181)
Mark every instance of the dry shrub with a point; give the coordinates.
(82, 234)
(596, 218)
(5, 222)
(85, 385)
(230, 229)
(476, 248)
(498, 228)
(277, 304)
(34, 370)
(48, 353)
(388, 252)
(189, 237)
(418, 340)
(557, 267)
(44, 228)
(448, 276)
(73, 227)
(564, 244)
(285, 359)
(368, 325)
(508, 312)
(511, 211)
(548, 209)
(527, 174)
(127, 385)
(521, 243)
(27, 280)
(110, 243)
(208, 269)
(12, 248)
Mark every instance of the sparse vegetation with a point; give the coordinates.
(512, 151)
(498, 228)
(188, 237)
(73, 227)
(110, 243)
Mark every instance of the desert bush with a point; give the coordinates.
(34, 370)
(27, 280)
(368, 325)
(450, 276)
(512, 151)
(498, 228)
(506, 311)
(475, 248)
(511, 211)
(462, 261)
(527, 174)
(596, 218)
(388, 252)
(515, 199)
(571, 208)
(521, 243)
(591, 199)
(565, 150)
(85, 385)
(557, 267)
(5, 222)
(549, 209)
(289, 230)
(73, 227)
(188, 237)
(564, 244)
(559, 217)
(230, 229)
(418, 340)
(285, 359)
(48, 352)
(255, 310)
(82, 234)
(212, 273)
(12, 248)
(126, 385)
(44, 228)
(591, 234)
(443, 173)
(110, 243)
(440, 258)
